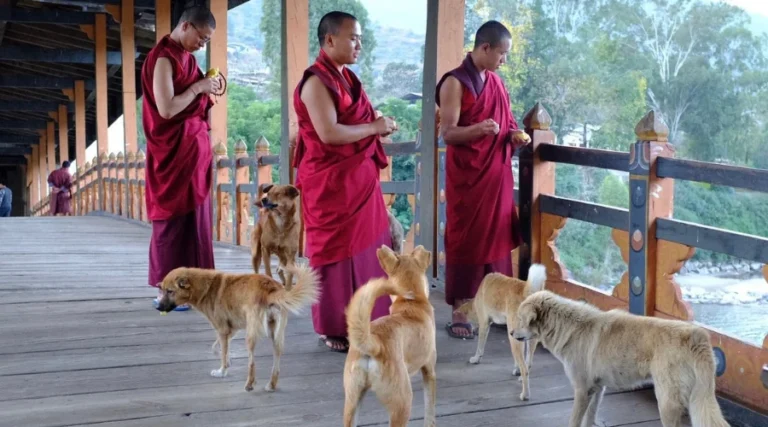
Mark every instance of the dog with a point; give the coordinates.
(231, 302)
(385, 353)
(396, 231)
(498, 299)
(620, 350)
(277, 231)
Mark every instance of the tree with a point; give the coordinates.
(271, 29)
(398, 79)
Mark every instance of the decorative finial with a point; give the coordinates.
(131, 157)
(262, 144)
(220, 149)
(140, 156)
(652, 128)
(537, 118)
(240, 147)
(112, 157)
(120, 156)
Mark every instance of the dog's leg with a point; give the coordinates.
(430, 394)
(399, 401)
(580, 404)
(267, 262)
(251, 336)
(224, 337)
(354, 391)
(288, 280)
(256, 258)
(595, 396)
(483, 328)
(518, 353)
(216, 350)
(531, 347)
(670, 409)
(277, 331)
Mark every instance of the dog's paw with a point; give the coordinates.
(270, 388)
(516, 371)
(524, 397)
(475, 360)
(249, 387)
(219, 373)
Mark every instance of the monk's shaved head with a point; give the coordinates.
(65, 164)
(199, 16)
(330, 23)
(492, 32)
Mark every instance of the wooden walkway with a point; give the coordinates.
(81, 344)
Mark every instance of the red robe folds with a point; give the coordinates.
(343, 207)
(178, 169)
(60, 202)
(482, 227)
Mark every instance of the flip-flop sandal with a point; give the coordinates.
(328, 340)
(468, 326)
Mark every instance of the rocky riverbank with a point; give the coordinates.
(737, 269)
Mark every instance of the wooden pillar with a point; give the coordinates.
(294, 60)
(162, 19)
(35, 170)
(63, 134)
(443, 51)
(102, 119)
(130, 126)
(217, 58)
(80, 123)
(42, 166)
(650, 197)
(51, 133)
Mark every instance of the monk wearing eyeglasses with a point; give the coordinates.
(179, 153)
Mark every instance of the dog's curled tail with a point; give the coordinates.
(359, 315)
(704, 409)
(304, 291)
(537, 275)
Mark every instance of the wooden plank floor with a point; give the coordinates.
(81, 344)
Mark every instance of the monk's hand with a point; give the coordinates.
(489, 127)
(518, 136)
(385, 125)
(207, 85)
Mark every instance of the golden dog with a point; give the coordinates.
(623, 351)
(277, 231)
(498, 299)
(385, 353)
(231, 302)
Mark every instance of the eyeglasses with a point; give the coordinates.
(205, 40)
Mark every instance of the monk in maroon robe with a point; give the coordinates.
(338, 156)
(60, 182)
(179, 153)
(481, 134)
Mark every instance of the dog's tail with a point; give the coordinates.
(303, 293)
(537, 275)
(359, 315)
(704, 409)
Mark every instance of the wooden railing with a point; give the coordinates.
(654, 246)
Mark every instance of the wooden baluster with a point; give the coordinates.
(141, 202)
(242, 199)
(85, 203)
(120, 199)
(111, 191)
(223, 222)
(130, 202)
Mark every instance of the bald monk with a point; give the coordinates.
(481, 134)
(60, 182)
(179, 154)
(338, 156)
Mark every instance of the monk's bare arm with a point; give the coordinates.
(450, 109)
(322, 114)
(168, 103)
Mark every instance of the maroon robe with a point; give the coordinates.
(482, 227)
(178, 169)
(343, 207)
(60, 202)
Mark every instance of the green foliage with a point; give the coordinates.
(614, 192)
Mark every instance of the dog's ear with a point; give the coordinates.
(292, 192)
(423, 256)
(264, 188)
(387, 259)
(182, 282)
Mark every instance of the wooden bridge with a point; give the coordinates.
(81, 343)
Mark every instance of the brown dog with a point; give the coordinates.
(231, 302)
(277, 231)
(498, 299)
(383, 354)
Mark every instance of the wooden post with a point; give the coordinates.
(162, 19)
(35, 166)
(42, 167)
(650, 197)
(63, 134)
(223, 222)
(536, 177)
(51, 133)
(130, 127)
(242, 199)
(80, 123)
(294, 60)
(443, 52)
(102, 119)
(141, 201)
(217, 57)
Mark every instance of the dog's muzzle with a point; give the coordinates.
(512, 333)
(267, 204)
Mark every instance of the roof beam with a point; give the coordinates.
(41, 82)
(23, 124)
(137, 4)
(12, 160)
(52, 16)
(12, 138)
(36, 106)
(71, 56)
(15, 151)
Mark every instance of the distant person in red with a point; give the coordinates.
(179, 152)
(481, 134)
(338, 156)
(60, 182)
